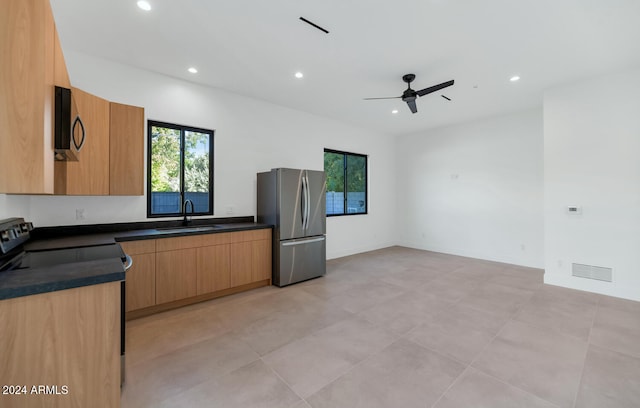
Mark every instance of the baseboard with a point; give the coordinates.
(472, 254)
(358, 250)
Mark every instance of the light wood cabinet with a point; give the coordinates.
(241, 263)
(141, 277)
(195, 268)
(261, 260)
(213, 268)
(176, 275)
(64, 338)
(27, 36)
(90, 174)
(126, 150)
(112, 158)
(60, 73)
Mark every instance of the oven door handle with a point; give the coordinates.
(128, 263)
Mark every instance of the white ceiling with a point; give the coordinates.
(254, 47)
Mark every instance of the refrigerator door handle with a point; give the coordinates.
(306, 241)
(303, 197)
(308, 200)
(305, 189)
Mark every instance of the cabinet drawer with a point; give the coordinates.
(147, 246)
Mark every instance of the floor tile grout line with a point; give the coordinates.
(511, 319)
(586, 353)
(450, 386)
(283, 380)
(353, 368)
(469, 365)
(397, 337)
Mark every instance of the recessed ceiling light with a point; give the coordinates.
(394, 111)
(514, 78)
(298, 75)
(193, 70)
(144, 5)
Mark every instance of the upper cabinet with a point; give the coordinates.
(27, 36)
(126, 150)
(90, 174)
(112, 157)
(111, 161)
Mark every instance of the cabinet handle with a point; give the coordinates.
(129, 263)
(73, 131)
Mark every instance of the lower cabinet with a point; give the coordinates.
(241, 263)
(213, 269)
(68, 341)
(175, 275)
(261, 255)
(171, 272)
(141, 282)
(141, 277)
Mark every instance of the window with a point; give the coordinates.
(180, 167)
(346, 182)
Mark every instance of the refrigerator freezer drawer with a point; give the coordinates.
(299, 260)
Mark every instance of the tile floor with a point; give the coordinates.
(392, 328)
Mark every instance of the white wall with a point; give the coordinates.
(475, 189)
(250, 136)
(592, 160)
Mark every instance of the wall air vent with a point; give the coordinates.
(592, 272)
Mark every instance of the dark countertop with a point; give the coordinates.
(168, 230)
(24, 282)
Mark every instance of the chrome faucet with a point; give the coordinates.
(186, 221)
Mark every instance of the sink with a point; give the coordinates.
(182, 230)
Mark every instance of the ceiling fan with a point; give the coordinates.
(409, 95)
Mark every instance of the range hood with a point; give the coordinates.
(68, 135)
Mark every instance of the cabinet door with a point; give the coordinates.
(126, 150)
(60, 73)
(261, 260)
(141, 282)
(26, 97)
(175, 275)
(214, 271)
(241, 263)
(90, 174)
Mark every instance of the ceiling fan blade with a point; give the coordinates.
(388, 97)
(412, 105)
(434, 88)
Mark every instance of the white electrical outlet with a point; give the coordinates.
(229, 210)
(80, 214)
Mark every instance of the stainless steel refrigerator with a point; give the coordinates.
(294, 202)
